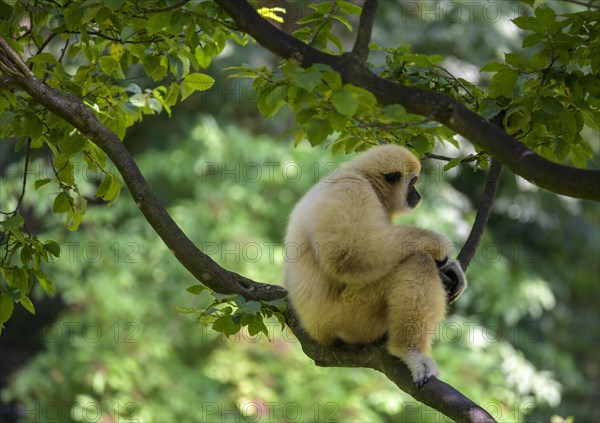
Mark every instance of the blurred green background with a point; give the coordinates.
(523, 341)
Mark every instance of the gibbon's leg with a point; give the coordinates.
(416, 304)
(361, 314)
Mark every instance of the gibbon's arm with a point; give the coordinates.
(354, 240)
(415, 239)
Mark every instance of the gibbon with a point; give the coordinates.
(355, 276)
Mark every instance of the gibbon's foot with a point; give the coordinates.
(421, 366)
(453, 279)
(422, 369)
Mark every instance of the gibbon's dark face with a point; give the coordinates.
(405, 195)
(413, 197)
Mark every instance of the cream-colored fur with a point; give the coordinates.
(353, 275)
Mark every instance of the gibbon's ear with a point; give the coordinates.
(392, 177)
(453, 279)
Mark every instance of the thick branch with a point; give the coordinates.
(436, 393)
(511, 152)
(483, 213)
(365, 28)
(75, 112)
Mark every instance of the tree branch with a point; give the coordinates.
(483, 213)
(365, 28)
(76, 113)
(435, 393)
(515, 155)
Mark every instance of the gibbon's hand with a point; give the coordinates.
(453, 279)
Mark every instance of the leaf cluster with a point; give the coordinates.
(229, 313)
(547, 93)
(124, 60)
(21, 259)
(343, 116)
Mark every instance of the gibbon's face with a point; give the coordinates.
(405, 196)
(397, 171)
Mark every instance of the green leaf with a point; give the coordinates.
(109, 189)
(250, 307)
(421, 144)
(41, 182)
(111, 66)
(73, 224)
(345, 102)
(489, 108)
(195, 289)
(338, 121)
(223, 297)
(62, 203)
(317, 130)
(13, 223)
(309, 18)
(6, 307)
(303, 115)
(452, 163)
(42, 58)
(493, 67)
(195, 82)
(561, 149)
(348, 8)
(226, 325)
(186, 310)
(73, 15)
(344, 21)
(394, 112)
(257, 325)
(503, 83)
(528, 23)
(45, 283)
(53, 248)
(64, 169)
(156, 66)
(551, 105)
(533, 39)
(158, 22)
(280, 304)
(591, 118)
(513, 59)
(270, 100)
(26, 302)
(72, 145)
(309, 79)
(545, 15)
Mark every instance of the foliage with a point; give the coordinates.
(229, 313)
(551, 87)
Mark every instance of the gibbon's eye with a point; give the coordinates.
(392, 177)
(414, 181)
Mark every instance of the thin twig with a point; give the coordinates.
(483, 213)
(46, 42)
(27, 155)
(15, 59)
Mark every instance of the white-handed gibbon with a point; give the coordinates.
(356, 276)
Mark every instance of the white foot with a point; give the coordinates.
(421, 366)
